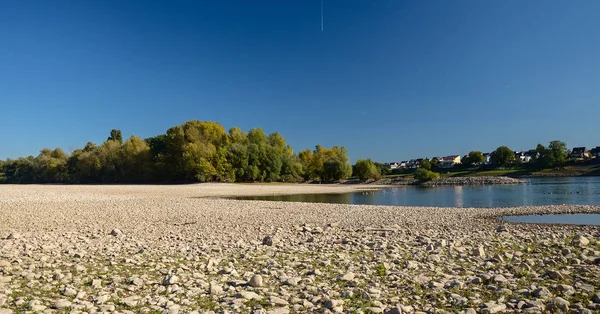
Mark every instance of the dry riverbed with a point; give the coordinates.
(170, 249)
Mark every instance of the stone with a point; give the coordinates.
(6, 311)
(215, 288)
(278, 301)
(496, 308)
(103, 298)
(249, 295)
(268, 240)
(131, 301)
(479, 251)
(559, 304)
(541, 293)
(13, 236)
(596, 297)
(500, 279)
(256, 281)
(394, 310)
(375, 309)
(69, 292)
(501, 228)
(554, 274)
(349, 276)
(330, 304)
(170, 280)
(279, 310)
(411, 264)
(580, 240)
(470, 311)
(4, 264)
(115, 232)
(61, 304)
(96, 283)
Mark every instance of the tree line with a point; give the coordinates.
(194, 151)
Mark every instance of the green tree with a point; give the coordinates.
(474, 158)
(435, 161)
(335, 169)
(425, 164)
(503, 156)
(115, 135)
(559, 152)
(365, 169)
(423, 174)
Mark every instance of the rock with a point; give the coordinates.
(294, 281)
(61, 304)
(596, 297)
(479, 251)
(559, 304)
(470, 311)
(4, 264)
(330, 304)
(115, 232)
(566, 289)
(496, 308)
(35, 308)
(554, 274)
(136, 281)
(249, 295)
(131, 301)
(411, 264)
(541, 293)
(349, 276)
(580, 240)
(501, 228)
(13, 236)
(103, 298)
(256, 281)
(500, 279)
(375, 309)
(278, 301)
(96, 283)
(215, 288)
(268, 240)
(170, 280)
(395, 310)
(6, 311)
(69, 292)
(279, 310)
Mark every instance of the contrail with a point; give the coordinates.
(321, 15)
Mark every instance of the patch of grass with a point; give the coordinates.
(381, 270)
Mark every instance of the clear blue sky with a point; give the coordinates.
(388, 79)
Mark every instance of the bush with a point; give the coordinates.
(425, 175)
(365, 169)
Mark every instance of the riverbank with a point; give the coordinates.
(179, 249)
(448, 181)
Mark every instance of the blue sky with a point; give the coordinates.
(389, 80)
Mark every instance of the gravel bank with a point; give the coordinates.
(474, 181)
(179, 249)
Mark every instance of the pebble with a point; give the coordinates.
(256, 281)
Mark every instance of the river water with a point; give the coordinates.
(540, 191)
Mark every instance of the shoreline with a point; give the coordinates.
(163, 249)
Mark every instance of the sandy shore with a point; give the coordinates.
(155, 249)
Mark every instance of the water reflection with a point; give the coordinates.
(551, 191)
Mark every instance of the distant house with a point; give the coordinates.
(449, 161)
(595, 152)
(403, 164)
(578, 153)
(393, 165)
(413, 163)
(527, 156)
(487, 158)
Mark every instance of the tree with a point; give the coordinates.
(115, 135)
(474, 158)
(425, 164)
(422, 174)
(552, 156)
(435, 161)
(335, 169)
(365, 169)
(503, 156)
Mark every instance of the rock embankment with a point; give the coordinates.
(473, 181)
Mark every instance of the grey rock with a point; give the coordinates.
(170, 280)
(278, 301)
(559, 304)
(541, 292)
(349, 276)
(61, 304)
(256, 281)
(268, 240)
(115, 232)
(580, 240)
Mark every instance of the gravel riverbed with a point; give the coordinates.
(183, 249)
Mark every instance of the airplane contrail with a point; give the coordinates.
(321, 15)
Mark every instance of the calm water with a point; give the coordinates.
(546, 191)
(570, 219)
